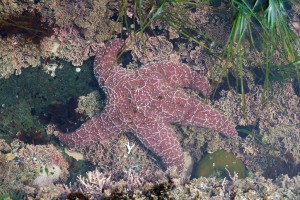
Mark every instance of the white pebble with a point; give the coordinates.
(78, 69)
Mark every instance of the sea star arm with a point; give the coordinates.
(178, 75)
(200, 114)
(106, 59)
(98, 128)
(187, 110)
(181, 75)
(161, 139)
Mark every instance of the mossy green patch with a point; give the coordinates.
(24, 98)
(11, 195)
(215, 164)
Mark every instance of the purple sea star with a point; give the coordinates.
(146, 101)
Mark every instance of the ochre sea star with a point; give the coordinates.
(146, 101)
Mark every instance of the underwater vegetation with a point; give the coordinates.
(220, 164)
(173, 14)
(262, 26)
(257, 25)
(11, 195)
(32, 100)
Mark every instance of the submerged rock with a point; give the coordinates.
(219, 164)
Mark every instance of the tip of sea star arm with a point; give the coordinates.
(80, 137)
(106, 58)
(228, 129)
(67, 139)
(98, 128)
(113, 48)
(161, 139)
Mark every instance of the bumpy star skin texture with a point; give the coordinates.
(146, 101)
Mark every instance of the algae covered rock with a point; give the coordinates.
(219, 164)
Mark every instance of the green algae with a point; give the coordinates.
(215, 164)
(11, 195)
(25, 98)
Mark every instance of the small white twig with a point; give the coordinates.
(224, 183)
(235, 175)
(129, 147)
